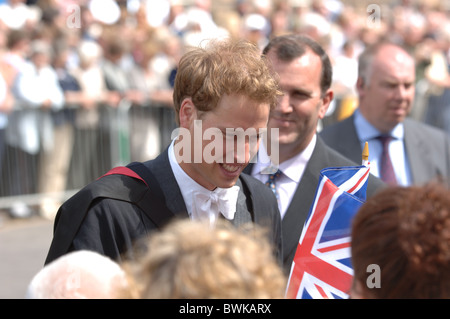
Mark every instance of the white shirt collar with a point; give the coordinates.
(189, 187)
(367, 131)
(293, 168)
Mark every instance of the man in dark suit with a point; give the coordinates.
(305, 74)
(219, 89)
(386, 87)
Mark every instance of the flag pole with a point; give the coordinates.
(365, 155)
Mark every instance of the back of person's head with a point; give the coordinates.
(190, 260)
(79, 275)
(405, 233)
(223, 67)
(292, 46)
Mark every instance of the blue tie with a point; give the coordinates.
(271, 182)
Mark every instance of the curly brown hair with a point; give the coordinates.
(224, 66)
(406, 232)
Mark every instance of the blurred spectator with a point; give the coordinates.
(157, 12)
(198, 24)
(177, 19)
(345, 70)
(255, 29)
(55, 163)
(79, 275)
(90, 28)
(7, 76)
(165, 62)
(86, 164)
(116, 65)
(148, 85)
(315, 26)
(6, 106)
(232, 22)
(280, 18)
(105, 11)
(345, 74)
(437, 73)
(30, 128)
(112, 66)
(37, 87)
(417, 152)
(401, 244)
(16, 14)
(145, 139)
(190, 260)
(17, 44)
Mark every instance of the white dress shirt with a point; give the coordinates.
(292, 172)
(189, 188)
(366, 132)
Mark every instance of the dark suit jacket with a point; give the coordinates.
(112, 226)
(294, 219)
(427, 148)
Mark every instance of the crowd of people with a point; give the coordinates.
(186, 260)
(94, 56)
(300, 67)
(401, 230)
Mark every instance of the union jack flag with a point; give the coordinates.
(322, 263)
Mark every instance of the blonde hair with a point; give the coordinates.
(189, 259)
(224, 66)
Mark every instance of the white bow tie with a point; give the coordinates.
(207, 206)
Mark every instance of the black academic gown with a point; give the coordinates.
(112, 213)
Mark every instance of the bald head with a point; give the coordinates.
(385, 55)
(386, 85)
(79, 275)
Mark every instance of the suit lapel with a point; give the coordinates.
(248, 169)
(348, 140)
(242, 215)
(298, 210)
(162, 171)
(299, 207)
(418, 156)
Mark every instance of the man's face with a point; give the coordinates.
(226, 154)
(388, 96)
(302, 105)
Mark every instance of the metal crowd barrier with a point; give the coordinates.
(121, 135)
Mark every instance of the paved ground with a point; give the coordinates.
(23, 247)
